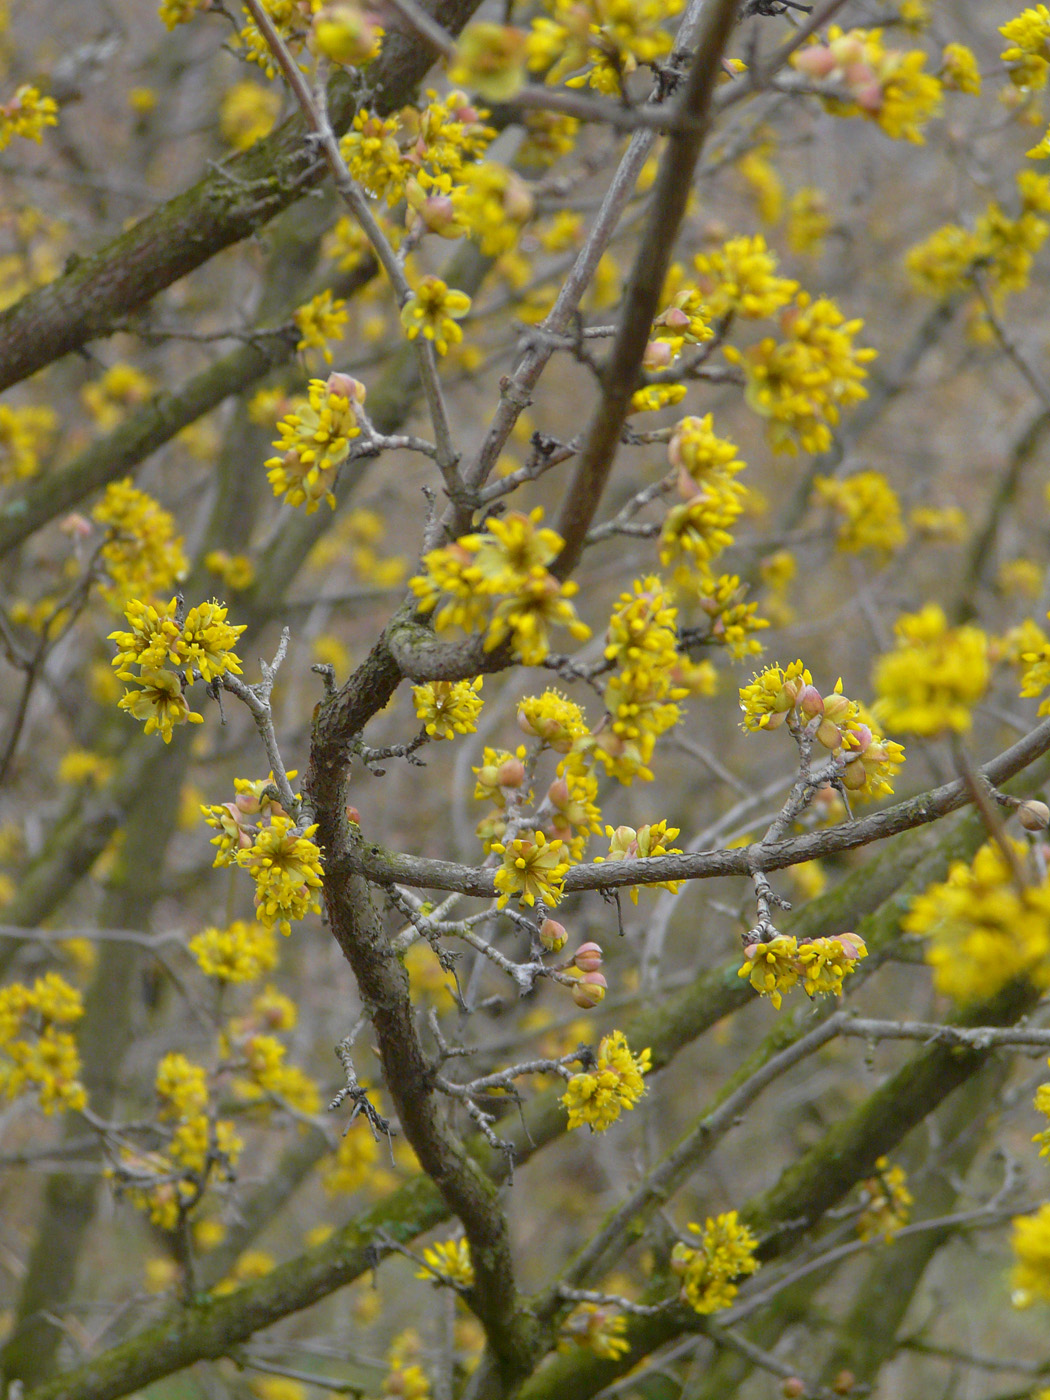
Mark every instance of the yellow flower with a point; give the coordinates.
(869, 510)
(723, 1252)
(532, 868)
(286, 867)
(160, 702)
(432, 311)
(599, 1095)
(448, 1259)
(1031, 1247)
(740, 277)
(143, 555)
(597, 1328)
(314, 440)
(239, 953)
(959, 69)
(490, 60)
(932, 680)
(26, 114)
(320, 320)
(1028, 47)
(887, 1201)
(247, 113)
(448, 708)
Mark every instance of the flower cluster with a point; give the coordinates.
(168, 1183)
(240, 952)
(354, 1165)
(168, 651)
(247, 113)
(314, 440)
(432, 311)
(1036, 661)
(1031, 1247)
(448, 1261)
(652, 839)
(36, 1052)
(286, 867)
(886, 86)
(723, 1252)
(1028, 47)
(869, 512)
(121, 388)
(498, 581)
(642, 692)
(291, 19)
(886, 1203)
(740, 279)
(493, 204)
(346, 32)
(24, 436)
(26, 114)
(934, 677)
(597, 1327)
(533, 868)
(982, 931)
(266, 1080)
(143, 555)
(820, 964)
(1042, 1105)
(448, 708)
(599, 1095)
(799, 383)
(320, 320)
(606, 39)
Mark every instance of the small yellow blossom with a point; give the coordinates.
(448, 1260)
(934, 677)
(432, 311)
(532, 868)
(320, 320)
(724, 1251)
(247, 113)
(1031, 1247)
(599, 1094)
(314, 440)
(597, 1328)
(886, 1203)
(26, 114)
(448, 708)
(238, 953)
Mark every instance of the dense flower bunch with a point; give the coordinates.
(1028, 47)
(697, 531)
(353, 1165)
(598, 1096)
(36, 1051)
(493, 204)
(886, 86)
(1031, 1248)
(314, 440)
(143, 554)
(121, 388)
(732, 624)
(981, 931)
(886, 1203)
(869, 511)
(740, 279)
(24, 436)
(820, 964)
(598, 1328)
(642, 692)
(168, 651)
(497, 581)
(320, 320)
(247, 113)
(238, 953)
(934, 677)
(265, 1079)
(26, 114)
(723, 1252)
(1036, 661)
(448, 1260)
(799, 383)
(168, 1183)
(448, 708)
(607, 39)
(533, 868)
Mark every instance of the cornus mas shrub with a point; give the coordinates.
(524, 736)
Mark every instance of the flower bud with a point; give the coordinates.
(346, 386)
(589, 990)
(829, 735)
(793, 1388)
(854, 776)
(553, 936)
(816, 62)
(1034, 816)
(658, 355)
(588, 957)
(844, 1383)
(810, 702)
(511, 773)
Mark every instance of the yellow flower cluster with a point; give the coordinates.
(320, 320)
(167, 653)
(981, 930)
(168, 1183)
(24, 435)
(641, 693)
(724, 1251)
(596, 1327)
(608, 39)
(121, 388)
(493, 204)
(314, 440)
(268, 1078)
(354, 1164)
(869, 511)
(1031, 1246)
(740, 279)
(448, 708)
(236, 570)
(552, 717)
(885, 86)
(820, 964)
(35, 1052)
(959, 70)
(291, 19)
(238, 953)
(1036, 661)
(1028, 47)
(497, 581)
(247, 113)
(143, 555)
(799, 383)
(533, 868)
(432, 311)
(934, 677)
(808, 221)
(1041, 1103)
(733, 623)
(81, 766)
(286, 867)
(599, 1095)
(26, 114)
(652, 839)
(886, 1203)
(448, 1260)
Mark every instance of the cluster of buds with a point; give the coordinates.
(495, 780)
(845, 63)
(588, 984)
(346, 33)
(237, 822)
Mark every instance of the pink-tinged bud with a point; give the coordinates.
(1034, 816)
(511, 773)
(674, 318)
(853, 944)
(353, 815)
(588, 957)
(558, 793)
(843, 1383)
(623, 844)
(828, 734)
(76, 526)
(346, 386)
(793, 1388)
(862, 737)
(244, 804)
(589, 990)
(864, 87)
(810, 702)
(553, 936)
(816, 62)
(658, 355)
